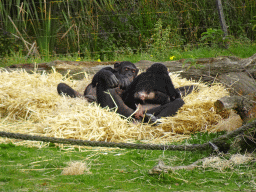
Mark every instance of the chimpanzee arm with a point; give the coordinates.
(107, 74)
(185, 90)
(171, 91)
(112, 98)
(168, 109)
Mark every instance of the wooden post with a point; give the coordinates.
(222, 19)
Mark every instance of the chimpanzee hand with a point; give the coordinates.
(111, 80)
(106, 77)
(124, 81)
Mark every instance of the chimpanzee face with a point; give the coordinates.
(127, 69)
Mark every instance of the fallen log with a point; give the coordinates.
(209, 69)
(239, 83)
(244, 106)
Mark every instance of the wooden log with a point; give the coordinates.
(226, 103)
(207, 69)
(244, 106)
(239, 83)
(204, 69)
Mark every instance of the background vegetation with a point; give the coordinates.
(106, 29)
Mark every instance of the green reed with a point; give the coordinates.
(105, 28)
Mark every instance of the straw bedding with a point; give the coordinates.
(30, 104)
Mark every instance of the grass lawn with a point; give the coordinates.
(33, 169)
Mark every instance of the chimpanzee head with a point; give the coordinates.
(158, 68)
(127, 69)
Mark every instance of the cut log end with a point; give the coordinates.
(219, 106)
(244, 106)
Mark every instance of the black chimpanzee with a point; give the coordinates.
(155, 80)
(121, 76)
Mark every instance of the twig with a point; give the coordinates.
(19, 33)
(30, 50)
(67, 31)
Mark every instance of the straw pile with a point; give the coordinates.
(30, 104)
(76, 168)
(221, 163)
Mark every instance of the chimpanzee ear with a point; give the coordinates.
(117, 65)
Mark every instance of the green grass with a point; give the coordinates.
(32, 169)
(242, 50)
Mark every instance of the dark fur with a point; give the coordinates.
(121, 76)
(155, 79)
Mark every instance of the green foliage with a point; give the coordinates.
(163, 43)
(214, 37)
(192, 62)
(160, 40)
(236, 48)
(42, 24)
(7, 44)
(103, 29)
(253, 23)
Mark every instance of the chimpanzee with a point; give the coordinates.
(121, 76)
(155, 80)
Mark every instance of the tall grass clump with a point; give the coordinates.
(104, 29)
(31, 21)
(43, 24)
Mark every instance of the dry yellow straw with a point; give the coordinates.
(76, 168)
(29, 103)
